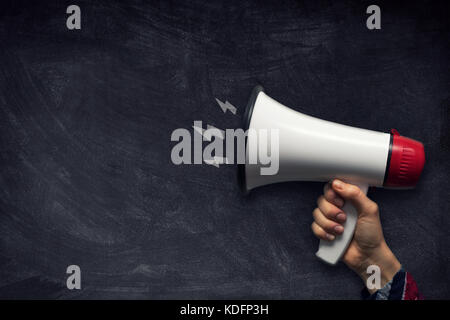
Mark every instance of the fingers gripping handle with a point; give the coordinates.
(332, 251)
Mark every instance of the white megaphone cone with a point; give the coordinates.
(311, 149)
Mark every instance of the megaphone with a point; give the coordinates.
(312, 149)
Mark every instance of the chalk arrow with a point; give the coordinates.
(219, 133)
(226, 106)
(216, 161)
(199, 129)
(209, 134)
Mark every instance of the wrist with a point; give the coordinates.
(382, 257)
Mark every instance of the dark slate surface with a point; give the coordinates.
(85, 124)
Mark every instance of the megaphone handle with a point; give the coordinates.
(332, 251)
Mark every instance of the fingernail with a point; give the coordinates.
(339, 229)
(330, 236)
(341, 217)
(338, 184)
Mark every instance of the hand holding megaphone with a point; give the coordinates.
(312, 149)
(368, 246)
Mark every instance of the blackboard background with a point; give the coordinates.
(85, 124)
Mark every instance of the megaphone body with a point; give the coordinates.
(312, 149)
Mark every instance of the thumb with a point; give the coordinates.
(353, 194)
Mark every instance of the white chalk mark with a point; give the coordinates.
(226, 106)
(210, 132)
(219, 133)
(216, 161)
(199, 129)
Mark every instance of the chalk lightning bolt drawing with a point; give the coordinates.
(226, 106)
